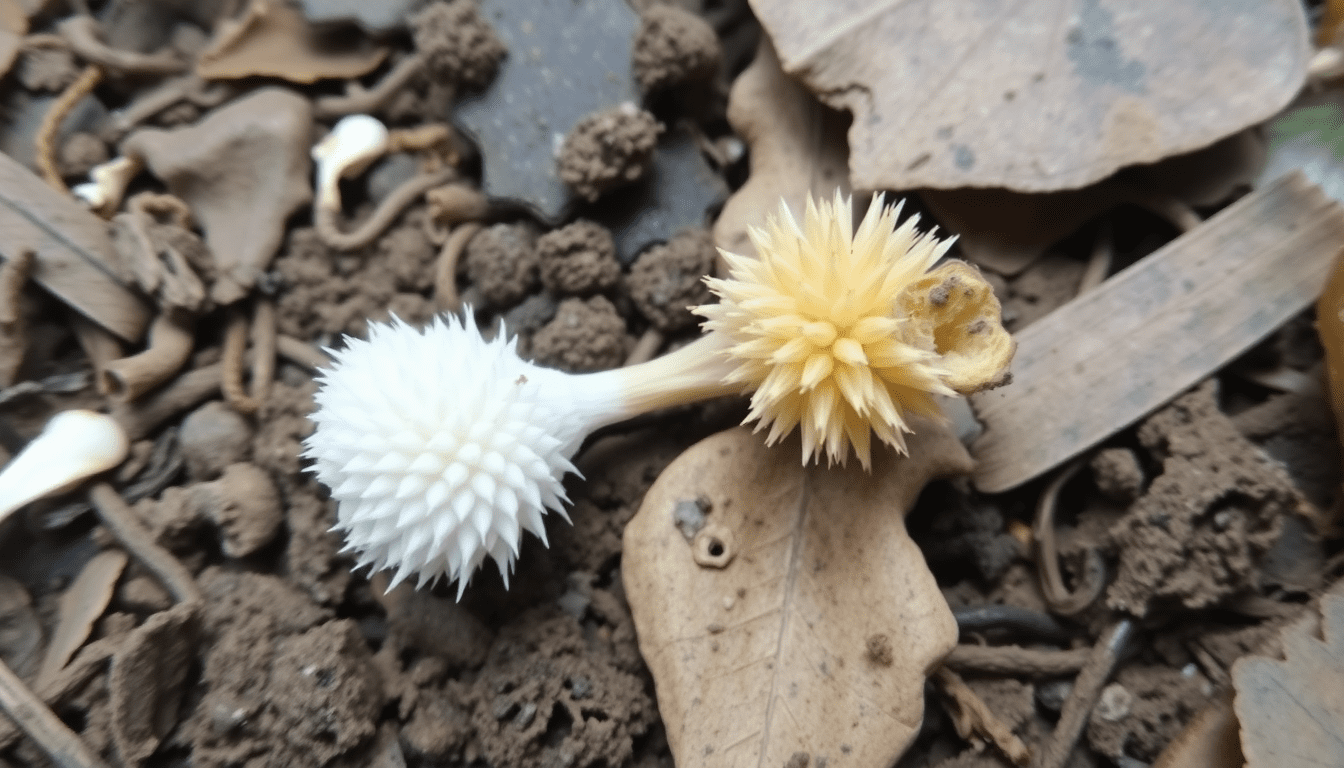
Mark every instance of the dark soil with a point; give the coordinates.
(1206, 515)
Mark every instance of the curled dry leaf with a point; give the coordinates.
(80, 606)
(797, 150)
(800, 618)
(243, 170)
(272, 39)
(1037, 96)
(1291, 709)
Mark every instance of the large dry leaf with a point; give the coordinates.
(1036, 96)
(797, 150)
(815, 620)
(81, 605)
(1292, 711)
(1107, 358)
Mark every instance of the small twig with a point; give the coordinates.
(99, 345)
(1009, 618)
(301, 352)
(61, 744)
(445, 268)
(13, 337)
(189, 87)
(1012, 660)
(120, 520)
(419, 138)
(1058, 596)
(44, 142)
(327, 219)
(1086, 690)
(141, 418)
(67, 682)
(975, 721)
(170, 343)
(373, 99)
(82, 34)
(647, 347)
(1173, 210)
(263, 357)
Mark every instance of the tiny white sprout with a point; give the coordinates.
(73, 446)
(354, 143)
(108, 184)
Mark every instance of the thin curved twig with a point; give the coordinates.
(1073, 716)
(1013, 660)
(327, 218)
(117, 516)
(263, 361)
(445, 267)
(188, 87)
(1058, 596)
(301, 353)
(62, 745)
(82, 34)
(373, 99)
(44, 142)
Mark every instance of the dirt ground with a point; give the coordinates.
(1199, 515)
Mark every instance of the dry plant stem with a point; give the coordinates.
(1086, 690)
(13, 339)
(418, 138)
(189, 390)
(301, 353)
(170, 344)
(445, 268)
(61, 744)
(44, 142)
(1059, 598)
(118, 517)
(263, 360)
(81, 33)
(328, 218)
(1173, 210)
(974, 719)
(373, 99)
(1011, 660)
(45, 41)
(647, 346)
(99, 345)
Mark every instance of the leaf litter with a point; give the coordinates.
(551, 671)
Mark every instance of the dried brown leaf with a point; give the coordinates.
(1036, 96)
(1116, 353)
(273, 39)
(82, 603)
(797, 150)
(243, 169)
(801, 618)
(1291, 710)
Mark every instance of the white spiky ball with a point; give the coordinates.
(441, 448)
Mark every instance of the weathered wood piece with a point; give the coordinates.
(1111, 356)
(73, 250)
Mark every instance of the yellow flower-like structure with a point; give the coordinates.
(839, 330)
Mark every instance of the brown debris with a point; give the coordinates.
(501, 263)
(211, 438)
(245, 507)
(14, 274)
(455, 43)
(274, 39)
(674, 46)
(667, 280)
(145, 684)
(578, 259)
(607, 150)
(44, 141)
(82, 603)
(1195, 536)
(585, 335)
(83, 33)
(171, 341)
(1144, 709)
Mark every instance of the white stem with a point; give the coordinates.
(74, 445)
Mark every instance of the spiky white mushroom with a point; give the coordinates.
(74, 445)
(441, 448)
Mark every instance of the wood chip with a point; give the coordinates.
(75, 257)
(1104, 360)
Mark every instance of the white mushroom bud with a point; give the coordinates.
(108, 184)
(73, 446)
(354, 143)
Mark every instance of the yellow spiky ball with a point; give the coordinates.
(819, 327)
